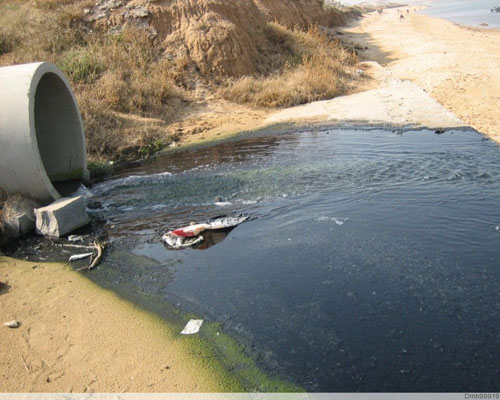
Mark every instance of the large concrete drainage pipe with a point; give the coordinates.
(42, 141)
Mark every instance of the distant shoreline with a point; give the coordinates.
(455, 65)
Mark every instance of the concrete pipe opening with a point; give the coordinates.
(42, 142)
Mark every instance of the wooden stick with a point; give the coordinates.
(76, 246)
(95, 261)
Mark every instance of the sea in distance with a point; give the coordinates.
(472, 13)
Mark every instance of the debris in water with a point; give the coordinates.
(193, 326)
(12, 324)
(191, 235)
(76, 238)
(94, 261)
(222, 203)
(77, 257)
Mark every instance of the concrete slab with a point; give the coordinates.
(61, 217)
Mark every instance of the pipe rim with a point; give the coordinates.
(39, 73)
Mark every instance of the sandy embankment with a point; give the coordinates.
(457, 66)
(429, 68)
(77, 337)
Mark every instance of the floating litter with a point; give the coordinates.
(75, 238)
(193, 326)
(190, 235)
(77, 257)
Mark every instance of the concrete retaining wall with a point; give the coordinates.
(41, 132)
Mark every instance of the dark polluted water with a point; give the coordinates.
(371, 264)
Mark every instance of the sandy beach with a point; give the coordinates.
(455, 65)
(77, 337)
(422, 71)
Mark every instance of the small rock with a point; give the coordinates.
(12, 324)
(111, 5)
(138, 12)
(17, 225)
(18, 216)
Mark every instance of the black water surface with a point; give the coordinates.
(372, 264)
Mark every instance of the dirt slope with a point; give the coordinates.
(223, 38)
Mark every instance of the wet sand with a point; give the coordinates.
(455, 65)
(77, 337)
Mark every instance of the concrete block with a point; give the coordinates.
(61, 217)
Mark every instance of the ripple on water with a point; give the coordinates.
(372, 264)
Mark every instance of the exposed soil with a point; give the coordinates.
(222, 38)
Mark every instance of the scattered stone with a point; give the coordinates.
(61, 217)
(12, 324)
(138, 12)
(18, 225)
(18, 216)
(113, 4)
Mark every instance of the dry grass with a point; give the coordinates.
(314, 68)
(128, 73)
(124, 72)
